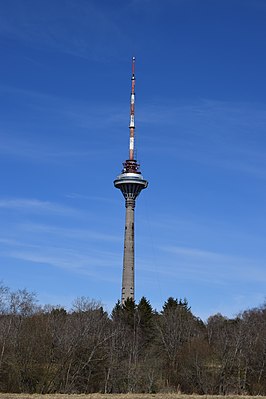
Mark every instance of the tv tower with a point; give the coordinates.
(130, 182)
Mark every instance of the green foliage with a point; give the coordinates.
(172, 304)
(117, 310)
(145, 309)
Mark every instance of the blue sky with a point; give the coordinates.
(200, 131)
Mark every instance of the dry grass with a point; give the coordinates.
(121, 396)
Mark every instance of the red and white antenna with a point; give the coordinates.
(132, 113)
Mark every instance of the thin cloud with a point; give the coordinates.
(84, 29)
(214, 266)
(38, 154)
(222, 134)
(76, 234)
(75, 250)
(45, 152)
(37, 139)
(35, 206)
(77, 196)
(70, 260)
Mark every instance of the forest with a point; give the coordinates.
(47, 349)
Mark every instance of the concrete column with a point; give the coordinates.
(128, 262)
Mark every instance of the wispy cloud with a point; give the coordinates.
(222, 134)
(47, 152)
(70, 133)
(95, 265)
(77, 196)
(81, 29)
(67, 232)
(89, 252)
(214, 133)
(74, 250)
(214, 266)
(35, 206)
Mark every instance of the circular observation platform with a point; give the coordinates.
(130, 184)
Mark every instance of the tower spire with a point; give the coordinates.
(131, 165)
(132, 114)
(130, 182)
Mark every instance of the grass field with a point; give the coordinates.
(121, 396)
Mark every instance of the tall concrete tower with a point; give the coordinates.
(130, 182)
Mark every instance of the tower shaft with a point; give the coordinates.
(128, 277)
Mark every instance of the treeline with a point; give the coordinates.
(135, 349)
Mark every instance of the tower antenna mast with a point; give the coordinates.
(132, 114)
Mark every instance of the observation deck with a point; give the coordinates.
(130, 181)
